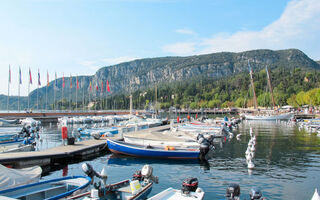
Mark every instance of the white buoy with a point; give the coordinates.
(252, 149)
(315, 195)
(250, 164)
(249, 157)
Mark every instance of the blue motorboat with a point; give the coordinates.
(119, 147)
(49, 190)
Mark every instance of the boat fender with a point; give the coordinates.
(64, 132)
(189, 185)
(233, 190)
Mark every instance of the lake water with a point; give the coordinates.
(287, 164)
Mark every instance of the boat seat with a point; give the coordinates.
(126, 189)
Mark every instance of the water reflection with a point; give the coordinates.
(287, 164)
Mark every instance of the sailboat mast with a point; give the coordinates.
(270, 87)
(252, 84)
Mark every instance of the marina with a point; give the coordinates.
(160, 100)
(282, 152)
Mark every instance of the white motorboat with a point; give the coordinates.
(189, 191)
(280, 116)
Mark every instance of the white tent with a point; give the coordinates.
(10, 178)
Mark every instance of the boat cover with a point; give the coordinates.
(14, 177)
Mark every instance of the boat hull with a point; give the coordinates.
(140, 151)
(285, 116)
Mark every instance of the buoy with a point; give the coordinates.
(64, 132)
(315, 195)
(252, 149)
(250, 164)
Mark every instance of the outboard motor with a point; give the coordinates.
(147, 175)
(189, 185)
(233, 192)
(137, 176)
(255, 193)
(89, 171)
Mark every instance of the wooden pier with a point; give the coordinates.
(54, 155)
(65, 154)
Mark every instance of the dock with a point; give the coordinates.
(65, 154)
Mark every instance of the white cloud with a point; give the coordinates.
(297, 27)
(180, 48)
(185, 31)
(117, 60)
(97, 64)
(93, 65)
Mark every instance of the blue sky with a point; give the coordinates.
(79, 36)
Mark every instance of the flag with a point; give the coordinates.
(20, 81)
(101, 86)
(77, 82)
(30, 77)
(70, 81)
(55, 80)
(48, 78)
(90, 85)
(108, 87)
(39, 82)
(63, 83)
(97, 88)
(9, 74)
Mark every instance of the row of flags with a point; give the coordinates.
(56, 82)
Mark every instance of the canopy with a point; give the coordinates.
(10, 178)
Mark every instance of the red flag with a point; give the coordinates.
(30, 77)
(63, 83)
(97, 88)
(77, 83)
(101, 86)
(108, 87)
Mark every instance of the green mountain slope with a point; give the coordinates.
(171, 72)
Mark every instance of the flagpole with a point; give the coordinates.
(83, 93)
(38, 97)
(63, 84)
(77, 94)
(54, 91)
(90, 86)
(9, 80)
(70, 92)
(47, 97)
(19, 89)
(29, 95)
(70, 96)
